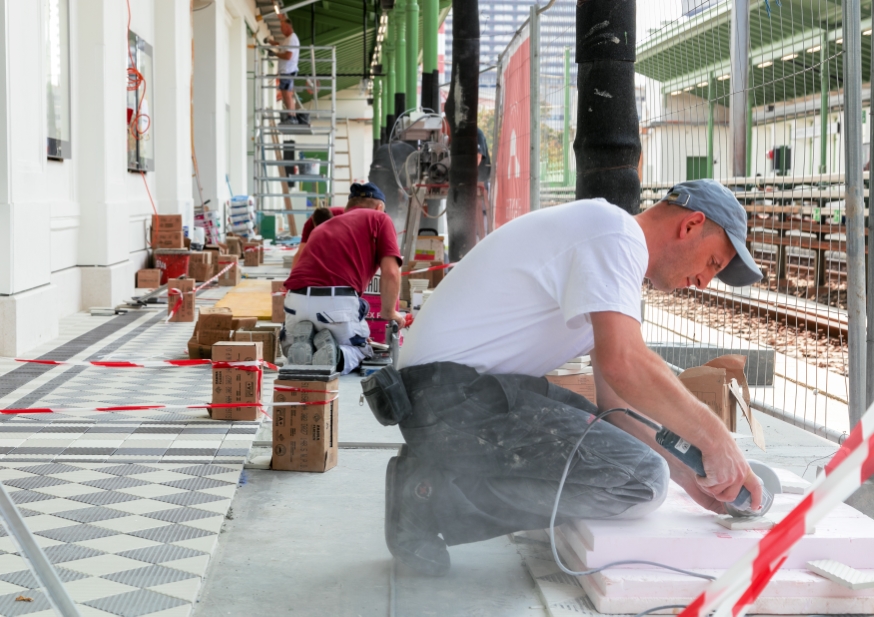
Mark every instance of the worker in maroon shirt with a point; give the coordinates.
(308, 229)
(324, 312)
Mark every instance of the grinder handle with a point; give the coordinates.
(691, 456)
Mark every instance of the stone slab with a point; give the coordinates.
(682, 534)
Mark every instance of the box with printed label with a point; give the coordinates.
(239, 384)
(200, 265)
(580, 380)
(168, 240)
(429, 248)
(269, 338)
(233, 276)
(253, 254)
(185, 312)
(278, 291)
(149, 278)
(305, 436)
(167, 222)
(235, 245)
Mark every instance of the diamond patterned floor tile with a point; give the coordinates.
(135, 603)
(149, 576)
(10, 608)
(93, 588)
(160, 553)
(170, 533)
(76, 533)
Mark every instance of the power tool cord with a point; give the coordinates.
(564, 475)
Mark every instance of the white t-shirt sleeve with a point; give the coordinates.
(602, 274)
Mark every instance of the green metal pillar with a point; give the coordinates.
(711, 108)
(824, 82)
(412, 53)
(377, 110)
(566, 134)
(400, 11)
(388, 68)
(430, 26)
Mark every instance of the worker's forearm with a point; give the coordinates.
(649, 385)
(389, 289)
(297, 254)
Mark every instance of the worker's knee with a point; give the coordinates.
(653, 473)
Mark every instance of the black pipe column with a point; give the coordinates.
(607, 144)
(461, 113)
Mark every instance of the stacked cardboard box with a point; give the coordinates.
(236, 385)
(186, 310)
(434, 277)
(200, 265)
(215, 250)
(215, 325)
(305, 436)
(148, 278)
(233, 276)
(268, 336)
(253, 254)
(575, 375)
(429, 248)
(235, 245)
(277, 288)
(167, 231)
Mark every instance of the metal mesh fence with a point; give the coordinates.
(793, 325)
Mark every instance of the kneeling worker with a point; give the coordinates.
(487, 437)
(323, 307)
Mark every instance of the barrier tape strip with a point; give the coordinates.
(170, 293)
(215, 278)
(431, 269)
(145, 407)
(738, 588)
(150, 363)
(278, 388)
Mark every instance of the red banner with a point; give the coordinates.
(512, 177)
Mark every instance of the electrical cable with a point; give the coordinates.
(659, 608)
(564, 475)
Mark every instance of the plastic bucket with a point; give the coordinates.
(172, 263)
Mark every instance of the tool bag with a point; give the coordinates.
(386, 396)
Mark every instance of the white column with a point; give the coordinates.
(172, 126)
(100, 117)
(236, 93)
(210, 70)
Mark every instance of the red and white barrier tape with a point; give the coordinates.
(216, 277)
(278, 388)
(170, 293)
(431, 269)
(737, 589)
(151, 363)
(146, 407)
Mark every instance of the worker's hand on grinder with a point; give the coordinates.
(392, 315)
(727, 471)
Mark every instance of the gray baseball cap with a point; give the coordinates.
(719, 205)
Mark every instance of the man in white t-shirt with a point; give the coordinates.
(487, 437)
(288, 61)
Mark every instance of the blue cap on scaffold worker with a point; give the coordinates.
(368, 191)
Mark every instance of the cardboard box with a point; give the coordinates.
(186, 311)
(167, 222)
(268, 338)
(580, 380)
(250, 259)
(244, 323)
(235, 245)
(149, 278)
(253, 253)
(168, 240)
(232, 277)
(236, 385)
(200, 272)
(711, 384)
(201, 257)
(212, 318)
(305, 438)
(429, 248)
(434, 277)
(208, 338)
(277, 288)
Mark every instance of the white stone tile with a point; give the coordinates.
(61, 437)
(102, 564)
(231, 477)
(99, 443)
(51, 506)
(219, 507)
(84, 611)
(118, 544)
(11, 443)
(184, 590)
(6, 588)
(142, 506)
(151, 490)
(12, 563)
(160, 476)
(47, 443)
(42, 522)
(221, 491)
(85, 475)
(92, 588)
(194, 565)
(67, 490)
(13, 474)
(190, 443)
(8, 545)
(131, 523)
(178, 611)
(212, 524)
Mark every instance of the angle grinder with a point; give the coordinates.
(691, 456)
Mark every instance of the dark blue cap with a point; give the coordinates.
(720, 205)
(369, 190)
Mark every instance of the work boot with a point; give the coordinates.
(301, 350)
(326, 349)
(410, 527)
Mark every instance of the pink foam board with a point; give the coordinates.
(682, 534)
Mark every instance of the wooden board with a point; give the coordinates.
(250, 298)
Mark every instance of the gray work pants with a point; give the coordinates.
(494, 448)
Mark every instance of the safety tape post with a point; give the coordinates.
(737, 589)
(150, 363)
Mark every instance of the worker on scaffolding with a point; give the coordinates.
(487, 437)
(324, 312)
(288, 55)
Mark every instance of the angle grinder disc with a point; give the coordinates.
(770, 481)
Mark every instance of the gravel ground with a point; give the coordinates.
(814, 347)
